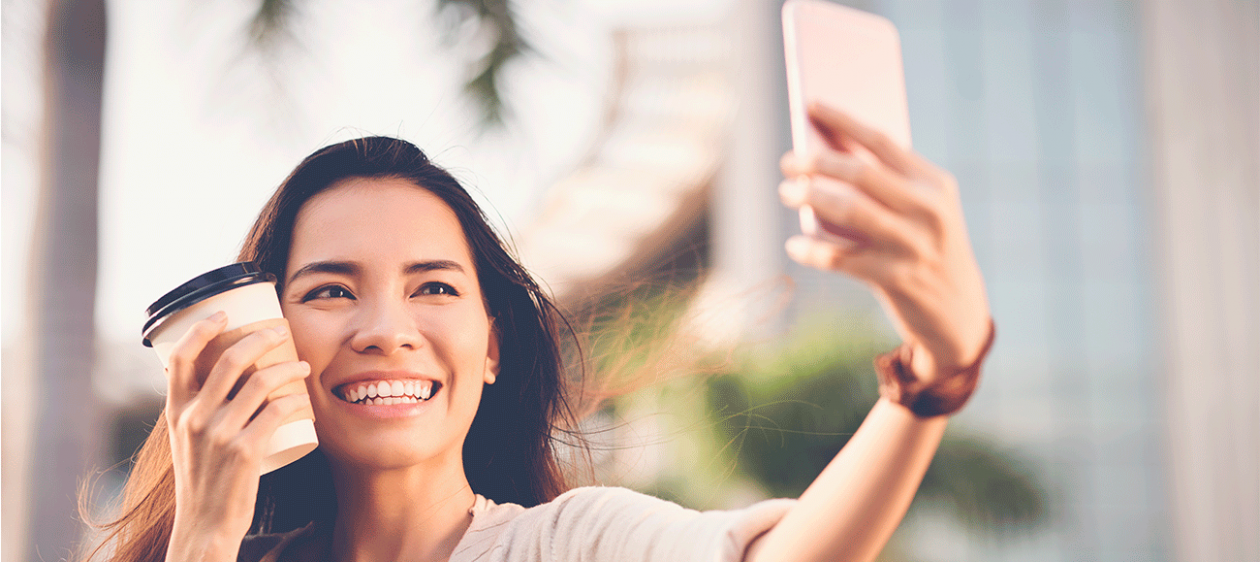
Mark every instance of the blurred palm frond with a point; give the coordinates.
(272, 23)
(496, 21)
(493, 21)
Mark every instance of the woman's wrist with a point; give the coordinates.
(941, 396)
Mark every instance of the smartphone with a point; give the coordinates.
(847, 59)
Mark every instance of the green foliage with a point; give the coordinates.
(985, 487)
(772, 418)
(787, 415)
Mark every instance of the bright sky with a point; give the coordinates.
(198, 133)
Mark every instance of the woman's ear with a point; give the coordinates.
(492, 355)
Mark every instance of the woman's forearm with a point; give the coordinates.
(852, 508)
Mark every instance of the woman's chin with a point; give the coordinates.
(379, 453)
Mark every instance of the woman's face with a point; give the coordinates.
(384, 303)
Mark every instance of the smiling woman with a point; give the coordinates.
(432, 364)
(382, 281)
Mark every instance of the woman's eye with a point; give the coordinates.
(329, 292)
(437, 289)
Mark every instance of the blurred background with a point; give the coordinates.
(1108, 154)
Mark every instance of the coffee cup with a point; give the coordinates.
(248, 296)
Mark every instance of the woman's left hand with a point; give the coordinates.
(901, 231)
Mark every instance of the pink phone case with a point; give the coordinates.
(847, 59)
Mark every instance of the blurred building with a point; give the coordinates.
(1038, 108)
(1107, 158)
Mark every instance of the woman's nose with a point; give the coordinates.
(385, 328)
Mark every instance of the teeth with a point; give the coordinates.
(390, 392)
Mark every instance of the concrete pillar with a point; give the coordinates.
(1202, 62)
(744, 294)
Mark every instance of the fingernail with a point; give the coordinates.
(793, 190)
(796, 246)
(281, 330)
(218, 316)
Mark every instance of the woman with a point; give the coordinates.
(432, 366)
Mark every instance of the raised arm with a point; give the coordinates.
(902, 233)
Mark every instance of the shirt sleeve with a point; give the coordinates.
(620, 525)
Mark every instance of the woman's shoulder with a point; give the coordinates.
(591, 523)
(489, 516)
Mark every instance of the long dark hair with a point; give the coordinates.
(509, 453)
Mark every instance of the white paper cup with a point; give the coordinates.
(248, 296)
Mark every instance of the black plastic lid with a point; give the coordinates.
(201, 288)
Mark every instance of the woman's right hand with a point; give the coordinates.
(218, 444)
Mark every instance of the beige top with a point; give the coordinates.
(585, 524)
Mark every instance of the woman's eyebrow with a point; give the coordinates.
(351, 268)
(434, 265)
(338, 267)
